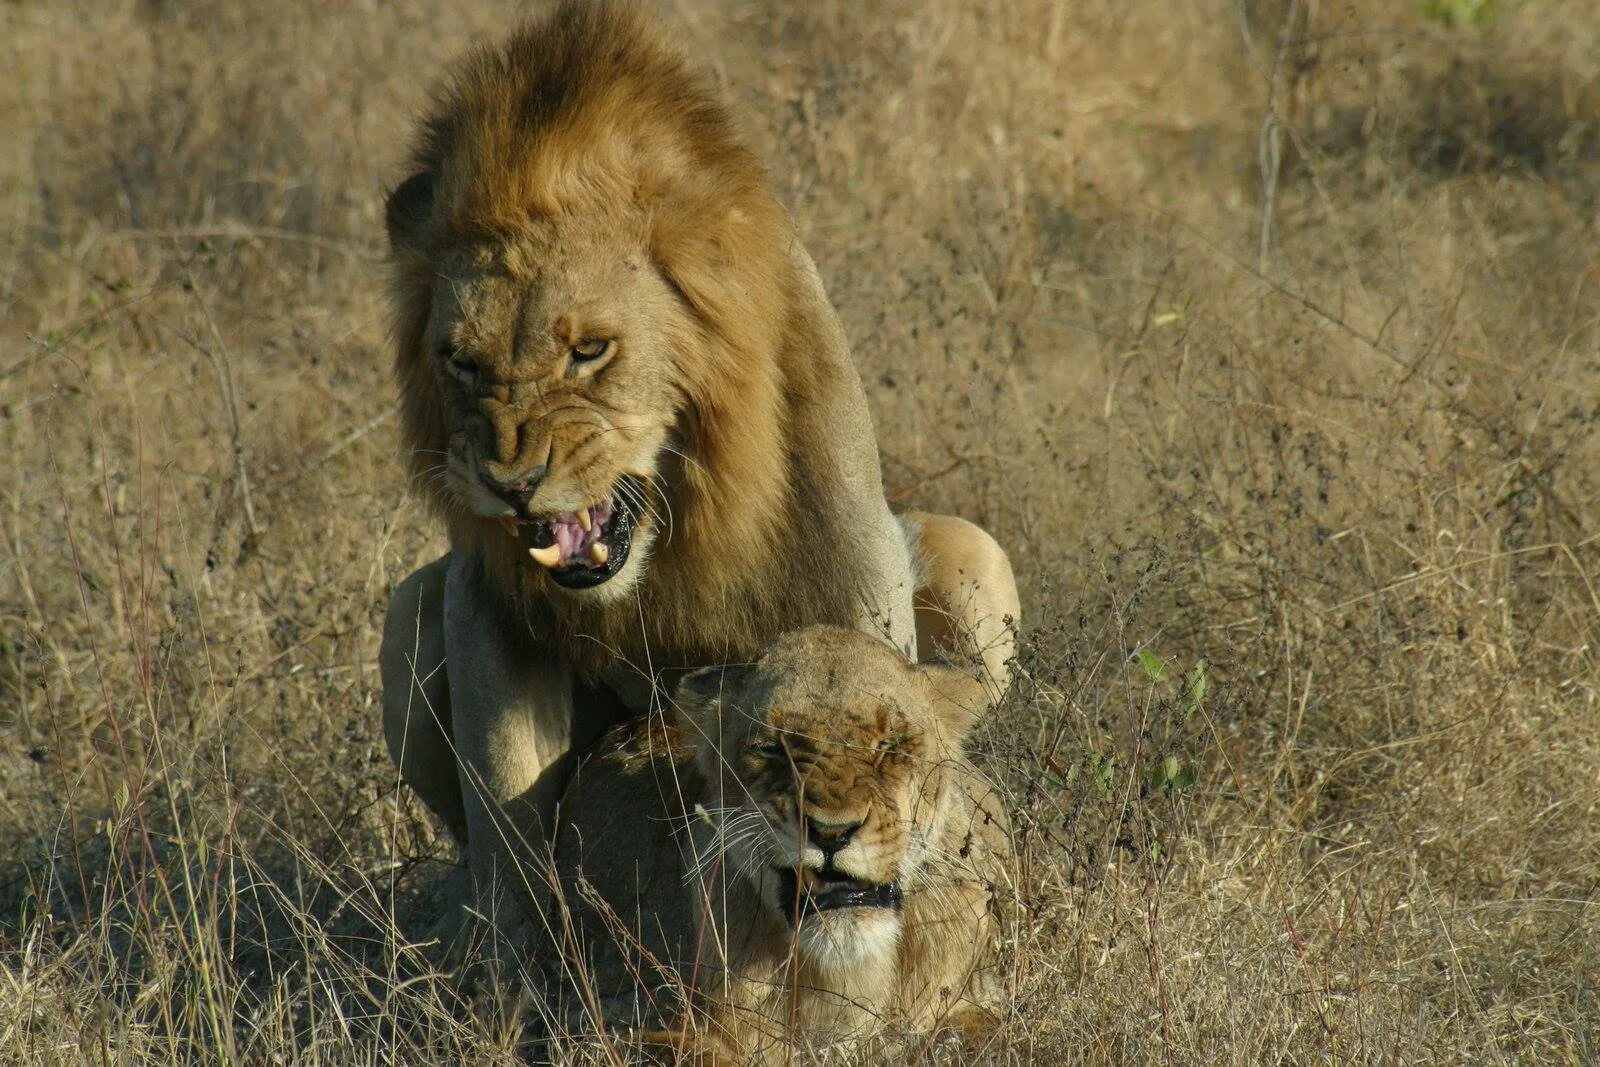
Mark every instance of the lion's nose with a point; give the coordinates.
(830, 837)
(517, 491)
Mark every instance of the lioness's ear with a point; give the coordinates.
(711, 683)
(407, 211)
(959, 697)
(700, 694)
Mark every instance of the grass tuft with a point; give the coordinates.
(1262, 335)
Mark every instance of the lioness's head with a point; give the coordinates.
(831, 766)
(589, 288)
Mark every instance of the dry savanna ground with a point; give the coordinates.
(1263, 334)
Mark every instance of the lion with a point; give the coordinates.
(803, 845)
(626, 397)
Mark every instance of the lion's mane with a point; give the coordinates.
(591, 112)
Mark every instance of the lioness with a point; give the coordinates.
(624, 393)
(804, 844)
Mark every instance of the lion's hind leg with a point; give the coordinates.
(967, 608)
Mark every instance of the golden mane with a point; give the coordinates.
(591, 113)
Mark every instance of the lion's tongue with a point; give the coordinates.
(572, 538)
(571, 544)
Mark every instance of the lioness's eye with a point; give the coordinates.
(590, 349)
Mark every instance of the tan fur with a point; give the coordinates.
(966, 595)
(582, 180)
(671, 832)
(586, 140)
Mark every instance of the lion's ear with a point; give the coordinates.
(407, 212)
(959, 697)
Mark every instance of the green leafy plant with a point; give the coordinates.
(1188, 694)
(1478, 13)
(1171, 773)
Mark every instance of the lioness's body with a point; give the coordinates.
(600, 305)
(661, 885)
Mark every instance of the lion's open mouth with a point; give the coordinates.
(581, 549)
(808, 891)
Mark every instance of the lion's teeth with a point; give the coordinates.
(584, 520)
(548, 556)
(599, 553)
(510, 525)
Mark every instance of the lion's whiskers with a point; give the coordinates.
(637, 498)
(665, 504)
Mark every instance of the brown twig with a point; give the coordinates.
(218, 355)
(1269, 148)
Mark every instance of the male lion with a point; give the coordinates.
(624, 392)
(805, 845)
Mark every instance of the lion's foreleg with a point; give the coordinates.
(416, 694)
(512, 710)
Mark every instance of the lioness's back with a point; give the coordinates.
(621, 857)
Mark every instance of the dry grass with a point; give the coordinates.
(1352, 467)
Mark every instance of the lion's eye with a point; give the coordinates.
(590, 349)
(771, 749)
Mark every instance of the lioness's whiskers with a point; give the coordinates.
(735, 830)
(742, 837)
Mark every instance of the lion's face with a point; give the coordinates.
(553, 352)
(593, 289)
(830, 767)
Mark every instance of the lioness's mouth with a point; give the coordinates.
(581, 549)
(807, 891)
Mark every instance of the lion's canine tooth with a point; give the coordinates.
(548, 556)
(510, 525)
(599, 553)
(584, 520)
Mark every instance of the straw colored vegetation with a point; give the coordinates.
(1262, 334)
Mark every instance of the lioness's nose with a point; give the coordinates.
(830, 837)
